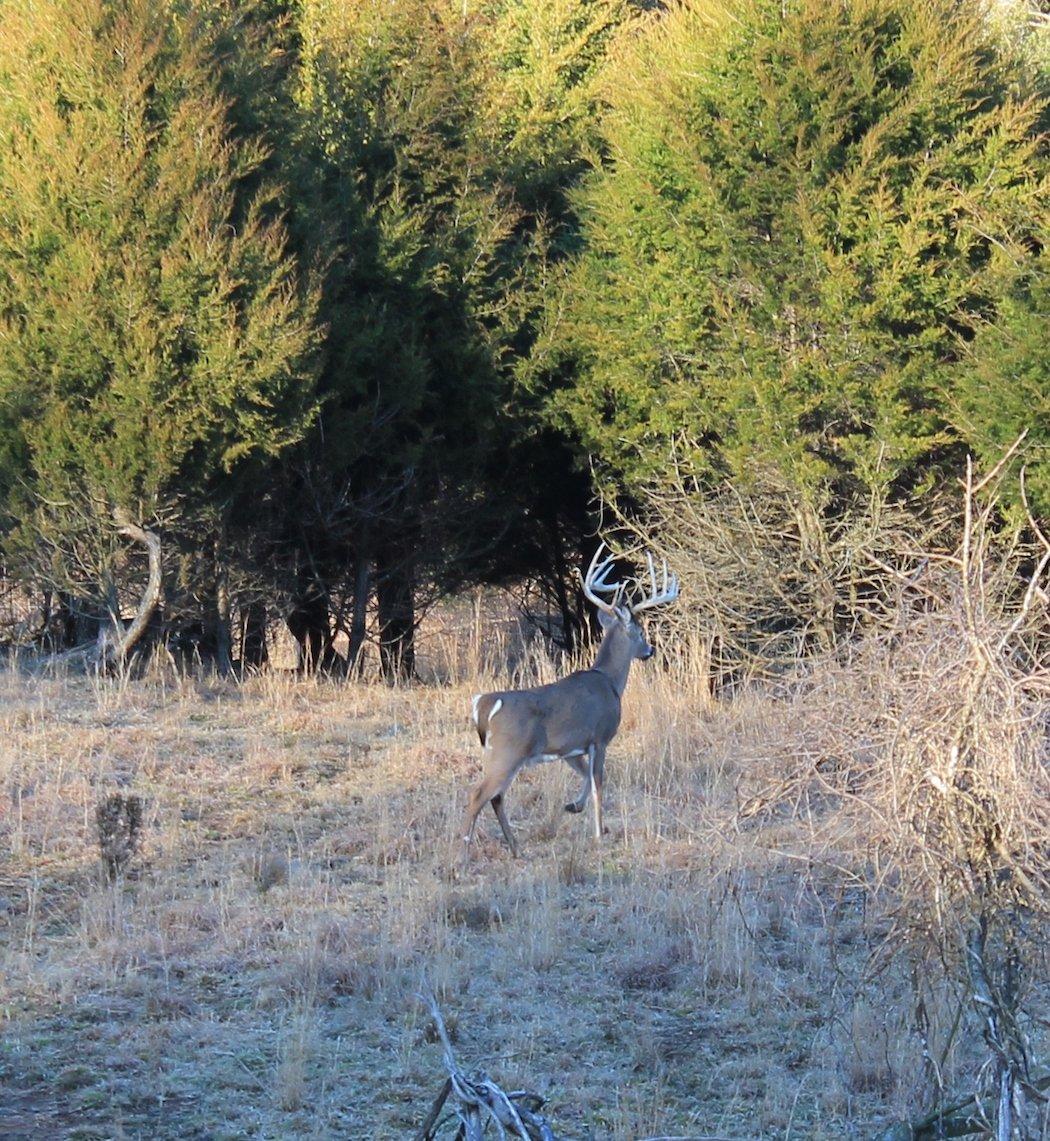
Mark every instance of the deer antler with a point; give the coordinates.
(594, 582)
(660, 593)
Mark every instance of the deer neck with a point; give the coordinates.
(614, 658)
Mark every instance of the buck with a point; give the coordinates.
(571, 720)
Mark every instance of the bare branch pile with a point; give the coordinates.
(466, 1106)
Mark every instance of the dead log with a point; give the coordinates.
(117, 643)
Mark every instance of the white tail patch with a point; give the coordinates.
(497, 706)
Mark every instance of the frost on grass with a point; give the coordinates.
(714, 968)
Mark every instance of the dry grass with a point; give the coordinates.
(256, 973)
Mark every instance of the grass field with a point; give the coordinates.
(701, 973)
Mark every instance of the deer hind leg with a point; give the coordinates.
(582, 769)
(491, 789)
(501, 816)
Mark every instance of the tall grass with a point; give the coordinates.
(776, 938)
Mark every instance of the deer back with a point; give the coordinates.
(550, 720)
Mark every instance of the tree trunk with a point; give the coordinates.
(569, 620)
(254, 652)
(397, 619)
(309, 626)
(223, 633)
(63, 612)
(117, 641)
(359, 617)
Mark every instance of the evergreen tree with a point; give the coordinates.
(542, 98)
(1003, 386)
(437, 146)
(541, 92)
(807, 211)
(157, 342)
(424, 300)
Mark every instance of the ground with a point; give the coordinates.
(256, 972)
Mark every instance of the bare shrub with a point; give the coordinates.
(926, 746)
(769, 574)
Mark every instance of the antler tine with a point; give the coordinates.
(660, 593)
(595, 581)
(596, 575)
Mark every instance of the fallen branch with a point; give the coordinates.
(115, 645)
(962, 1119)
(478, 1100)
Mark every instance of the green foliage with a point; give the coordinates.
(1003, 386)
(156, 340)
(387, 94)
(808, 209)
(542, 89)
(795, 244)
(435, 139)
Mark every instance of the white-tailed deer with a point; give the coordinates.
(571, 720)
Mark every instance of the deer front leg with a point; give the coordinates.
(597, 773)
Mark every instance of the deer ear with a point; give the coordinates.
(607, 619)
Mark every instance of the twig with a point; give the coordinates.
(435, 1112)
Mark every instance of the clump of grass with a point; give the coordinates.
(119, 822)
(270, 869)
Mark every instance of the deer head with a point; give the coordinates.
(624, 600)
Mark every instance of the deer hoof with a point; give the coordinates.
(572, 806)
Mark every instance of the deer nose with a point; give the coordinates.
(648, 653)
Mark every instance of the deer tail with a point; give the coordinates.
(484, 707)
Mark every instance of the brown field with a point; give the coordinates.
(702, 973)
